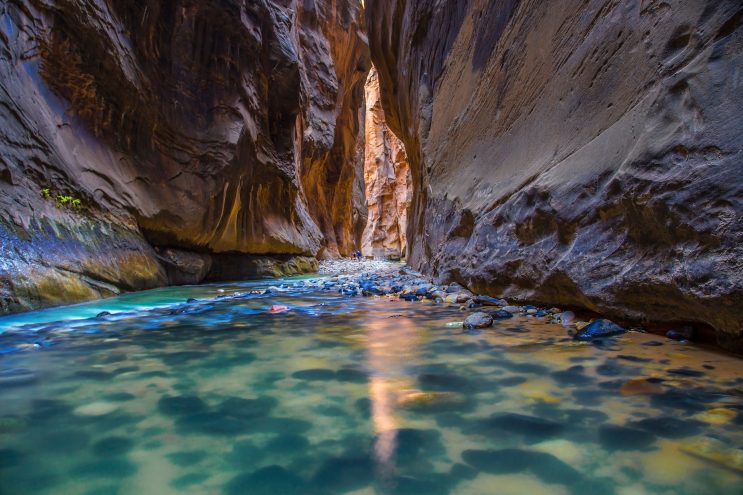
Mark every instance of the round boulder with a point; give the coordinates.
(478, 320)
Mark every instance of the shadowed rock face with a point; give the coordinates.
(196, 126)
(583, 153)
(387, 178)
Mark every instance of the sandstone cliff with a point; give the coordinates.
(388, 181)
(148, 142)
(573, 152)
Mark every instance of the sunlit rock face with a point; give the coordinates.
(583, 153)
(200, 126)
(388, 181)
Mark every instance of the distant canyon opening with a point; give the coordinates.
(387, 181)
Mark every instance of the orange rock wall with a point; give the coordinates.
(388, 181)
(217, 128)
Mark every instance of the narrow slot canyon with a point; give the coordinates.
(387, 181)
(377, 247)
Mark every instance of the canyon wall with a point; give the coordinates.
(583, 153)
(388, 181)
(148, 142)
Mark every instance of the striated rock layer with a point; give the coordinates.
(388, 181)
(147, 142)
(579, 152)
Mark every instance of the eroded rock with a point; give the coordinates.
(200, 128)
(541, 172)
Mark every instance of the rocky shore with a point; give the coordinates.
(383, 279)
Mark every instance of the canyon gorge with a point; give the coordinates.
(581, 153)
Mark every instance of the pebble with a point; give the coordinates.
(454, 287)
(511, 309)
(478, 320)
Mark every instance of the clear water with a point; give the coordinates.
(352, 395)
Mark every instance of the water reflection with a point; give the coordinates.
(392, 344)
(354, 395)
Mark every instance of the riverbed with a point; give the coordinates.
(232, 393)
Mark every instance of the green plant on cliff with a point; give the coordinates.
(62, 200)
(68, 201)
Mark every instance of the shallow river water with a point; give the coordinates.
(352, 395)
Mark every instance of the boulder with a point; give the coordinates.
(478, 320)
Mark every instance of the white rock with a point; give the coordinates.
(96, 409)
(567, 318)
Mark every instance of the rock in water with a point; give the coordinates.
(684, 333)
(478, 320)
(489, 301)
(486, 219)
(599, 328)
(501, 314)
(567, 318)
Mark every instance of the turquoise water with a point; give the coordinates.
(352, 395)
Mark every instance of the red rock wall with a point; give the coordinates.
(205, 126)
(582, 153)
(388, 181)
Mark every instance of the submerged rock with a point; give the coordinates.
(531, 427)
(669, 427)
(715, 451)
(683, 333)
(613, 437)
(501, 314)
(343, 474)
(432, 401)
(599, 328)
(271, 480)
(96, 409)
(489, 301)
(546, 467)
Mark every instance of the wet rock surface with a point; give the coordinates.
(147, 144)
(541, 172)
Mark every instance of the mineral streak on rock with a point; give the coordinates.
(135, 133)
(580, 153)
(388, 181)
